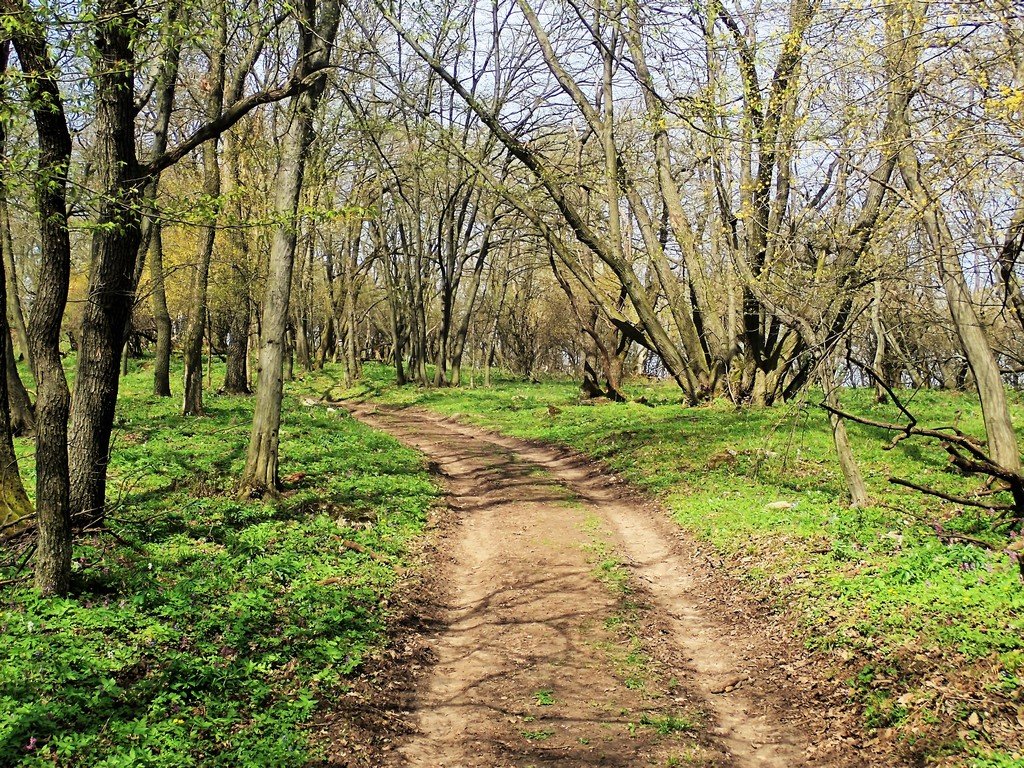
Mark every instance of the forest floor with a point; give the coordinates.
(576, 626)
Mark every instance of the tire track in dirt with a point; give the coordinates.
(525, 614)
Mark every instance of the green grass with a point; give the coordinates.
(540, 735)
(873, 587)
(204, 630)
(668, 724)
(545, 697)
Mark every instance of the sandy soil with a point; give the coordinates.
(572, 624)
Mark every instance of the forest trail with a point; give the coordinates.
(578, 628)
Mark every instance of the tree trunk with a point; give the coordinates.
(236, 375)
(115, 245)
(260, 475)
(14, 503)
(15, 313)
(1002, 440)
(195, 326)
(844, 452)
(22, 417)
(161, 316)
(53, 515)
(878, 363)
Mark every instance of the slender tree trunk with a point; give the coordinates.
(260, 475)
(878, 329)
(462, 331)
(847, 463)
(236, 376)
(1002, 440)
(15, 313)
(22, 417)
(300, 320)
(14, 503)
(161, 315)
(327, 343)
(195, 325)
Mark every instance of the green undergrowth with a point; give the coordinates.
(204, 630)
(874, 588)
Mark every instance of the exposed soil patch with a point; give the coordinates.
(577, 627)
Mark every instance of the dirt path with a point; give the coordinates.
(578, 629)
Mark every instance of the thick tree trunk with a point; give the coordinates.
(53, 515)
(115, 246)
(236, 375)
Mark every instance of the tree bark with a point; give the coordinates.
(15, 312)
(115, 246)
(236, 375)
(53, 515)
(260, 475)
(161, 315)
(22, 416)
(195, 326)
(1002, 440)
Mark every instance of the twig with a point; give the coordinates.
(13, 523)
(944, 534)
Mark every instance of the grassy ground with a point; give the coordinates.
(204, 630)
(929, 632)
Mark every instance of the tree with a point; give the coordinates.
(316, 41)
(53, 511)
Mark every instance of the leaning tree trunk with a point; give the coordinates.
(847, 462)
(53, 514)
(260, 475)
(1002, 440)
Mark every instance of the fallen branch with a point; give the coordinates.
(950, 497)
